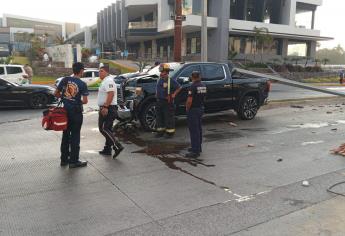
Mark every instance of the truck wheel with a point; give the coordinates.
(248, 108)
(148, 117)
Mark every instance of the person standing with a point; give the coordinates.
(107, 102)
(195, 109)
(73, 92)
(166, 91)
(29, 73)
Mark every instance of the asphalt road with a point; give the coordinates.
(248, 180)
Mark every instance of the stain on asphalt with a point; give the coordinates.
(221, 135)
(13, 121)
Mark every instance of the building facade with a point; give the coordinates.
(145, 28)
(14, 30)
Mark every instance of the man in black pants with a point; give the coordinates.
(107, 102)
(195, 108)
(74, 94)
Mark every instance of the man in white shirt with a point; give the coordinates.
(107, 102)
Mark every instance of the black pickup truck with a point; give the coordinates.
(226, 89)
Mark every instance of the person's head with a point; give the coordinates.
(157, 63)
(103, 70)
(78, 69)
(196, 76)
(164, 69)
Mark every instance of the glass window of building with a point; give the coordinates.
(250, 10)
(194, 45)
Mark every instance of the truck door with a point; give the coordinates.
(219, 87)
(183, 79)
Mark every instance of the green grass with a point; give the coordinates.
(321, 80)
(43, 80)
(20, 60)
(123, 69)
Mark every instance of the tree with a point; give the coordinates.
(262, 39)
(325, 61)
(335, 55)
(59, 40)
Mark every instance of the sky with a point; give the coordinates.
(328, 17)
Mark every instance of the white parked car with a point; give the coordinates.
(90, 77)
(13, 73)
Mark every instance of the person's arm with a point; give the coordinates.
(178, 89)
(59, 88)
(189, 100)
(85, 100)
(85, 94)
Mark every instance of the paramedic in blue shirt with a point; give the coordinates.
(73, 92)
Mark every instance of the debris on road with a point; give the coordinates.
(233, 124)
(305, 183)
(297, 106)
(280, 160)
(329, 112)
(251, 145)
(334, 129)
(340, 150)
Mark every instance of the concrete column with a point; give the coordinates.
(288, 12)
(285, 44)
(312, 49)
(118, 20)
(154, 49)
(142, 50)
(218, 39)
(98, 27)
(113, 22)
(313, 20)
(88, 37)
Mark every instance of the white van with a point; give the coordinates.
(13, 73)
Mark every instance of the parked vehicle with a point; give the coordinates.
(33, 96)
(13, 73)
(90, 77)
(226, 90)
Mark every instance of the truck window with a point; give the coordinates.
(187, 72)
(13, 70)
(212, 72)
(2, 70)
(87, 74)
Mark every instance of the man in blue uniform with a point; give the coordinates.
(195, 109)
(73, 92)
(166, 91)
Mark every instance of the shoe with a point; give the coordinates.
(192, 155)
(105, 152)
(191, 150)
(78, 164)
(63, 163)
(118, 151)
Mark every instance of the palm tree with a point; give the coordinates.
(59, 40)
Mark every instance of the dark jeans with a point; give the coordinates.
(165, 116)
(70, 144)
(194, 118)
(105, 126)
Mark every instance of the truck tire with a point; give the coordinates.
(148, 117)
(248, 108)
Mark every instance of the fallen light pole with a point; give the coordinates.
(290, 82)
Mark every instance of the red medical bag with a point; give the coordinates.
(55, 118)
